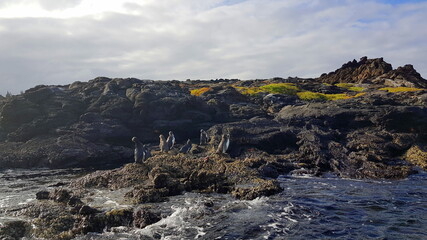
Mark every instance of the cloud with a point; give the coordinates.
(59, 4)
(205, 39)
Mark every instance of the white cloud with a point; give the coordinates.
(43, 42)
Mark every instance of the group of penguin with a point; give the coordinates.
(142, 152)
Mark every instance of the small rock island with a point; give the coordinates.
(365, 120)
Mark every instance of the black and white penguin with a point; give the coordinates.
(204, 138)
(186, 148)
(224, 144)
(139, 152)
(164, 147)
(147, 152)
(171, 140)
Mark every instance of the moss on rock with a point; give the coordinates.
(417, 156)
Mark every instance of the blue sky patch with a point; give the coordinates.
(401, 1)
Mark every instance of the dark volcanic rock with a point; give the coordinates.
(367, 132)
(405, 76)
(357, 72)
(261, 133)
(87, 210)
(42, 195)
(92, 123)
(375, 71)
(266, 188)
(15, 230)
(144, 216)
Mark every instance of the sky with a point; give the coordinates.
(61, 41)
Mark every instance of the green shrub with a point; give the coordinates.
(310, 96)
(281, 88)
(400, 89)
(350, 86)
(292, 89)
(277, 88)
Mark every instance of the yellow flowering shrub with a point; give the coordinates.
(400, 89)
(199, 91)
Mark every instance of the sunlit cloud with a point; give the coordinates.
(58, 42)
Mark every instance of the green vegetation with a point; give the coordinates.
(249, 90)
(292, 89)
(309, 96)
(277, 88)
(400, 89)
(280, 88)
(199, 91)
(350, 87)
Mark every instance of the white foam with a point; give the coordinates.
(288, 208)
(27, 201)
(305, 175)
(111, 202)
(257, 202)
(291, 219)
(177, 222)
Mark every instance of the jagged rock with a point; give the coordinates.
(269, 170)
(52, 220)
(42, 195)
(60, 195)
(91, 123)
(74, 201)
(160, 180)
(375, 71)
(262, 133)
(145, 216)
(87, 210)
(142, 194)
(39, 93)
(16, 112)
(119, 217)
(405, 76)
(274, 102)
(357, 72)
(265, 188)
(129, 175)
(417, 156)
(15, 230)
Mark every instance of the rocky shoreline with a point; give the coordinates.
(365, 120)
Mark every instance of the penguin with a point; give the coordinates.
(171, 140)
(186, 148)
(164, 147)
(224, 144)
(203, 137)
(147, 152)
(139, 152)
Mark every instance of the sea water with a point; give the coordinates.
(308, 208)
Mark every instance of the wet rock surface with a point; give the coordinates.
(15, 230)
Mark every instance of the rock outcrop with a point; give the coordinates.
(375, 71)
(371, 125)
(358, 71)
(91, 123)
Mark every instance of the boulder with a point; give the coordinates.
(145, 216)
(418, 156)
(15, 230)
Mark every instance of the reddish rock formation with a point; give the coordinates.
(375, 71)
(405, 76)
(358, 72)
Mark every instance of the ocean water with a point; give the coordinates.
(308, 208)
